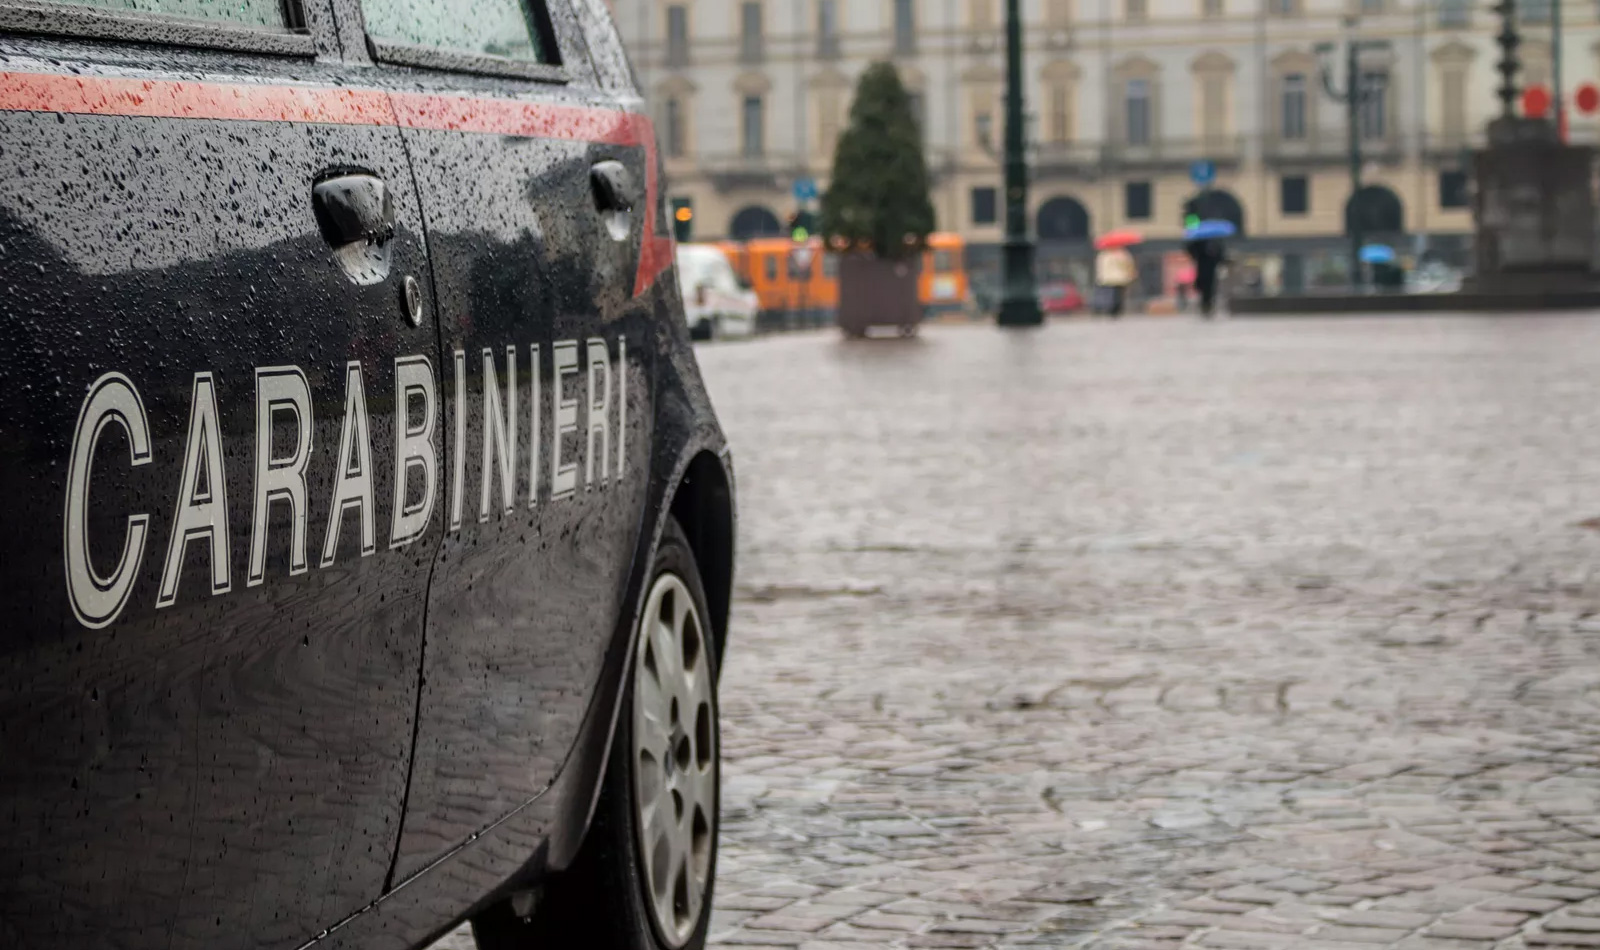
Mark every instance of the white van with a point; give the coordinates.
(715, 304)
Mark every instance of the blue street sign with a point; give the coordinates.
(1203, 171)
(805, 189)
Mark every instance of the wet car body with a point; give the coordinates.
(348, 393)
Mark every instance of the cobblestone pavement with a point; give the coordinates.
(1164, 634)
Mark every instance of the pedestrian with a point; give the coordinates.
(1208, 255)
(1114, 273)
(1184, 280)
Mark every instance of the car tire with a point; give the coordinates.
(610, 899)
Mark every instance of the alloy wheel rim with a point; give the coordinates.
(674, 759)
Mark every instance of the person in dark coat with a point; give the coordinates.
(1208, 256)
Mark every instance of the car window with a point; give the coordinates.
(268, 13)
(722, 272)
(504, 28)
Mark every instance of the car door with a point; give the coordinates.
(534, 185)
(213, 298)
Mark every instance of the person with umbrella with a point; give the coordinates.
(1114, 270)
(1204, 244)
(1386, 272)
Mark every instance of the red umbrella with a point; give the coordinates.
(1121, 238)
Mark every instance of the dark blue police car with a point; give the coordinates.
(367, 531)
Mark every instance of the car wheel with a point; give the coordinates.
(644, 877)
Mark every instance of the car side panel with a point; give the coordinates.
(226, 770)
(537, 309)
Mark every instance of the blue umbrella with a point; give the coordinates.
(1211, 228)
(1377, 254)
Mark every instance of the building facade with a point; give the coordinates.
(1122, 96)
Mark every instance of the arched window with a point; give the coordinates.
(1377, 210)
(754, 222)
(1063, 219)
(1219, 204)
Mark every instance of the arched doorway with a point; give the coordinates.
(1063, 219)
(1218, 204)
(1377, 210)
(754, 222)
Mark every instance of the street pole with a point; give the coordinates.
(1354, 95)
(1019, 301)
(1353, 87)
(1509, 64)
(1555, 68)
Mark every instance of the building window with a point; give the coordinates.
(830, 119)
(983, 128)
(1137, 111)
(677, 35)
(1134, 10)
(1285, 8)
(750, 38)
(1455, 13)
(1293, 125)
(1371, 6)
(1136, 200)
(980, 15)
(1058, 15)
(1453, 105)
(1214, 110)
(1374, 105)
(985, 206)
(674, 123)
(1534, 11)
(1453, 189)
(828, 28)
(919, 109)
(1294, 195)
(754, 130)
(1211, 8)
(905, 26)
(1060, 130)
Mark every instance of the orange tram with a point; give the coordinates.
(791, 292)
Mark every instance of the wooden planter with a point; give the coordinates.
(877, 293)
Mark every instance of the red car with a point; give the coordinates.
(1060, 298)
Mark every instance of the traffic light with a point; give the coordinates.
(683, 219)
(802, 224)
(1191, 213)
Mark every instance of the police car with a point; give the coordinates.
(368, 532)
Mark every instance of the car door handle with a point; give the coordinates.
(354, 209)
(614, 188)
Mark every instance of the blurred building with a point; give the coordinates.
(1123, 95)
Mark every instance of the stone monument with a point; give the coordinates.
(1534, 208)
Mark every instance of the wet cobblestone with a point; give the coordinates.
(1161, 634)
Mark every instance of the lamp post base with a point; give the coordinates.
(1019, 300)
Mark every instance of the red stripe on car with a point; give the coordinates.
(172, 99)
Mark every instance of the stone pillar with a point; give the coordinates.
(1533, 211)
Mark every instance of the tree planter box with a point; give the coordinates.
(877, 293)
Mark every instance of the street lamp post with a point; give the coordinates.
(1510, 64)
(1354, 95)
(1019, 300)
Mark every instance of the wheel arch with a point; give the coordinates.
(702, 504)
